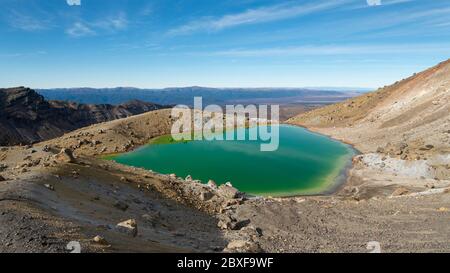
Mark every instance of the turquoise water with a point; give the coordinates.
(305, 162)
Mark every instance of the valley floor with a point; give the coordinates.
(48, 199)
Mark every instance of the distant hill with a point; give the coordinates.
(185, 95)
(26, 117)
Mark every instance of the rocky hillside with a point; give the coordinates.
(26, 117)
(409, 119)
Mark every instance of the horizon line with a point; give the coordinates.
(315, 88)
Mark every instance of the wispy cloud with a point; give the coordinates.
(417, 17)
(109, 24)
(395, 2)
(112, 23)
(255, 16)
(315, 50)
(15, 55)
(79, 29)
(27, 22)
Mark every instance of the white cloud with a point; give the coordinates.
(254, 16)
(112, 23)
(27, 22)
(374, 2)
(108, 25)
(80, 30)
(73, 2)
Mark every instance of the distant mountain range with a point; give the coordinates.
(185, 95)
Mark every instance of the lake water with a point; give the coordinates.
(306, 163)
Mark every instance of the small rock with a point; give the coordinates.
(240, 224)
(128, 227)
(212, 184)
(188, 178)
(2, 178)
(443, 209)
(206, 195)
(400, 192)
(427, 147)
(228, 191)
(96, 142)
(152, 218)
(100, 240)
(65, 155)
(121, 205)
(3, 167)
(50, 187)
(225, 223)
(237, 244)
(254, 231)
(243, 246)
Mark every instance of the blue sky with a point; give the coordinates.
(226, 43)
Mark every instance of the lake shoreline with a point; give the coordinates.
(329, 186)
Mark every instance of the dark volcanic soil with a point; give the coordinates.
(26, 117)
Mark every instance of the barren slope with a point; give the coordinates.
(409, 120)
(415, 111)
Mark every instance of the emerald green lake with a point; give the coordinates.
(305, 163)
